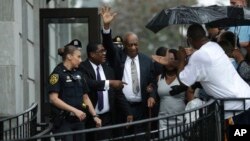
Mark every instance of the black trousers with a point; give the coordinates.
(71, 124)
(103, 134)
(139, 111)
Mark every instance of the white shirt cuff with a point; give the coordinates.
(106, 86)
(106, 31)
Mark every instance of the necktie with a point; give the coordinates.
(135, 82)
(100, 94)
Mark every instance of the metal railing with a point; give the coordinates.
(205, 123)
(231, 112)
(23, 125)
(200, 124)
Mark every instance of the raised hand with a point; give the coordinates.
(161, 59)
(164, 60)
(107, 16)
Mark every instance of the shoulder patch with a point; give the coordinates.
(53, 79)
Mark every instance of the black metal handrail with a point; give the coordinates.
(204, 123)
(23, 125)
(221, 103)
(201, 128)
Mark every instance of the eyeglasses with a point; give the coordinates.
(103, 51)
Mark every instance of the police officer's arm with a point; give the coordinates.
(54, 88)
(87, 101)
(55, 100)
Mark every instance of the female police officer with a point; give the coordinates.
(67, 92)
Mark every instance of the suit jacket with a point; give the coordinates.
(117, 57)
(95, 85)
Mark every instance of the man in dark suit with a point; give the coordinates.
(132, 67)
(104, 90)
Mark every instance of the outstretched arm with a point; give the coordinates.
(112, 52)
(107, 16)
(56, 101)
(180, 63)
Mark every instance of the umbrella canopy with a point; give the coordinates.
(217, 16)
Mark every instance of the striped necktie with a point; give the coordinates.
(134, 75)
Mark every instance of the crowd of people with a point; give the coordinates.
(117, 83)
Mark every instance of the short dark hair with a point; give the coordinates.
(174, 51)
(92, 47)
(228, 36)
(227, 47)
(161, 51)
(196, 32)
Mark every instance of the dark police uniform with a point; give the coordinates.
(70, 86)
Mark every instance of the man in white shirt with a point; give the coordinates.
(243, 32)
(210, 66)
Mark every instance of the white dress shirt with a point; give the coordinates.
(212, 68)
(128, 89)
(106, 105)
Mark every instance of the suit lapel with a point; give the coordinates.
(105, 70)
(142, 69)
(123, 59)
(90, 69)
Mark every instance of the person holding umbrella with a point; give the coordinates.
(243, 32)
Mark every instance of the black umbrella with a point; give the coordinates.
(217, 16)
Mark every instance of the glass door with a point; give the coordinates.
(57, 28)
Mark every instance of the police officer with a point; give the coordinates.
(68, 93)
(118, 42)
(75, 42)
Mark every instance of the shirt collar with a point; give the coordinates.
(135, 58)
(94, 65)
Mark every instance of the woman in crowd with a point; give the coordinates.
(171, 102)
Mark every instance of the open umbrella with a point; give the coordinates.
(218, 16)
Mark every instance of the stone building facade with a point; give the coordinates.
(20, 51)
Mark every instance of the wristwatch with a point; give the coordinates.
(95, 116)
